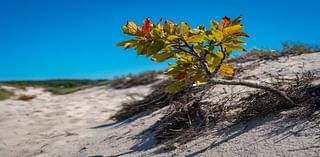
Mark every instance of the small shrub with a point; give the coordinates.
(255, 54)
(199, 54)
(62, 91)
(5, 94)
(289, 48)
(135, 80)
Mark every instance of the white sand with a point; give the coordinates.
(26, 127)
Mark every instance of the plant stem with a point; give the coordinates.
(216, 70)
(202, 61)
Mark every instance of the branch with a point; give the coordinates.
(271, 89)
(202, 61)
(224, 55)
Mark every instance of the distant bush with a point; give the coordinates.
(255, 54)
(289, 48)
(5, 94)
(50, 83)
(57, 86)
(131, 80)
(62, 91)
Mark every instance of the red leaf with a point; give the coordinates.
(181, 76)
(225, 22)
(146, 26)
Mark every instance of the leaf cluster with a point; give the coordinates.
(199, 53)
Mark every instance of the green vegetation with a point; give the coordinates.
(288, 49)
(57, 86)
(131, 80)
(5, 94)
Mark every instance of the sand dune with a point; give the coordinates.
(78, 124)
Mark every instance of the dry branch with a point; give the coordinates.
(271, 89)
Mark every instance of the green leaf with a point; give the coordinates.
(176, 29)
(128, 44)
(168, 27)
(156, 33)
(161, 57)
(213, 59)
(155, 47)
(175, 86)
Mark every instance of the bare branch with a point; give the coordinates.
(271, 89)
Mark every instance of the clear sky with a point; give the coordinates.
(51, 39)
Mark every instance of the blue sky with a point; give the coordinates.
(55, 39)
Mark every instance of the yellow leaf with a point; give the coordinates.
(219, 54)
(231, 47)
(216, 36)
(172, 37)
(226, 70)
(196, 38)
(130, 28)
(185, 29)
(232, 29)
(195, 31)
